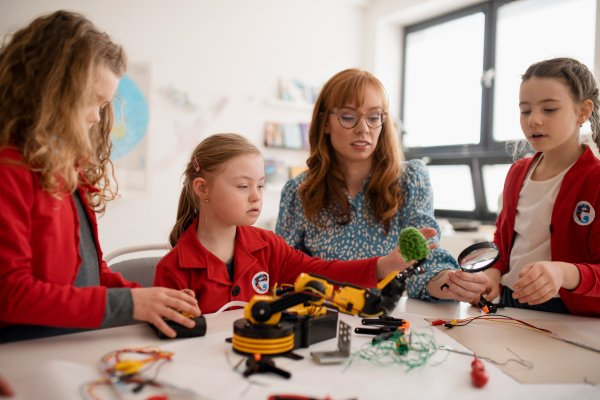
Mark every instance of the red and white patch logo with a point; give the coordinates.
(584, 213)
(260, 282)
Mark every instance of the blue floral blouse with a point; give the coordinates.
(363, 237)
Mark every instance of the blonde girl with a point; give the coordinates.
(58, 77)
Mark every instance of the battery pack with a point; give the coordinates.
(182, 332)
(312, 329)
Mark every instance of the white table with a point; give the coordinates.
(54, 368)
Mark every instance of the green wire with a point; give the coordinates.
(413, 351)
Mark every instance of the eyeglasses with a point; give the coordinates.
(349, 119)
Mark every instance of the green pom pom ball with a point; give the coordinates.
(413, 245)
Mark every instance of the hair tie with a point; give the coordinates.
(196, 165)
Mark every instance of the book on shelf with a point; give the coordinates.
(296, 90)
(276, 173)
(273, 135)
(289, 136)
(292, 136)
(296, 170)
(304, 127)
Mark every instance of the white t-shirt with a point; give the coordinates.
(532, 224)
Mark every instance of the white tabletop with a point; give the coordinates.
(55, 368)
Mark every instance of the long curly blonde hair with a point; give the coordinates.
(325, 181)
(47, 70)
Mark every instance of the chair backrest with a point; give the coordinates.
(139, 270)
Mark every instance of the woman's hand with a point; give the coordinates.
(540, 281)
(154, 304)
(462, 286)
(395, 262)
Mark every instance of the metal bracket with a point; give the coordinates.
(343, 351)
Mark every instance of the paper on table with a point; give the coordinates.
(554, 361)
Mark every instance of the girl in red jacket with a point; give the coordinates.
(547, 232)
(57, 80)
(221, 257)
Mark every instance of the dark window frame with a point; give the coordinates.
(487, 151)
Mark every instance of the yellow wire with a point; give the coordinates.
(505, 321)
(516, 323)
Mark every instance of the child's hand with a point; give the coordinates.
(395, 262)
(152, 304)
(189, 292)
(540, 281)
(465, 286)
(492, 287)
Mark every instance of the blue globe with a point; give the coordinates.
(131, 117)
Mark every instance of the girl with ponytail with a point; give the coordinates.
(547, 230)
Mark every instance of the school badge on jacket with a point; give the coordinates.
(584, 213)
(260, 282)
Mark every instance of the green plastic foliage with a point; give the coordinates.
(413, 245)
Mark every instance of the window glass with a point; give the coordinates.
(442, 90)
(529, 31)
(452, 187)
(493, 184)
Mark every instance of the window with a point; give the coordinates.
(429, 55)
(454, 181)
(561, 28)
(461, 79)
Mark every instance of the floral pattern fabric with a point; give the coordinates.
(363, 237)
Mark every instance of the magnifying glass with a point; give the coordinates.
(477, 257)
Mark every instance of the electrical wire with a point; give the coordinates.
(519, 360)
(510, 320)
(125, 373)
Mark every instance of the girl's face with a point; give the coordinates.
(235, 192)
(103, 89)
(550, 118)
(355, 145)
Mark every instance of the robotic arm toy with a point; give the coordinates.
(263, 331)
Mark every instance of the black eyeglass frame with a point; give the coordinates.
(383, 118)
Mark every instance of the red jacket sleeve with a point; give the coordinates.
(38, 261)
(294, 262)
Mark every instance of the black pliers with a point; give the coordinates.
(388, 327)
(385, 321)
(487, 306)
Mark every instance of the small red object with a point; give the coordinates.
(479, 375)
(438, 322)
